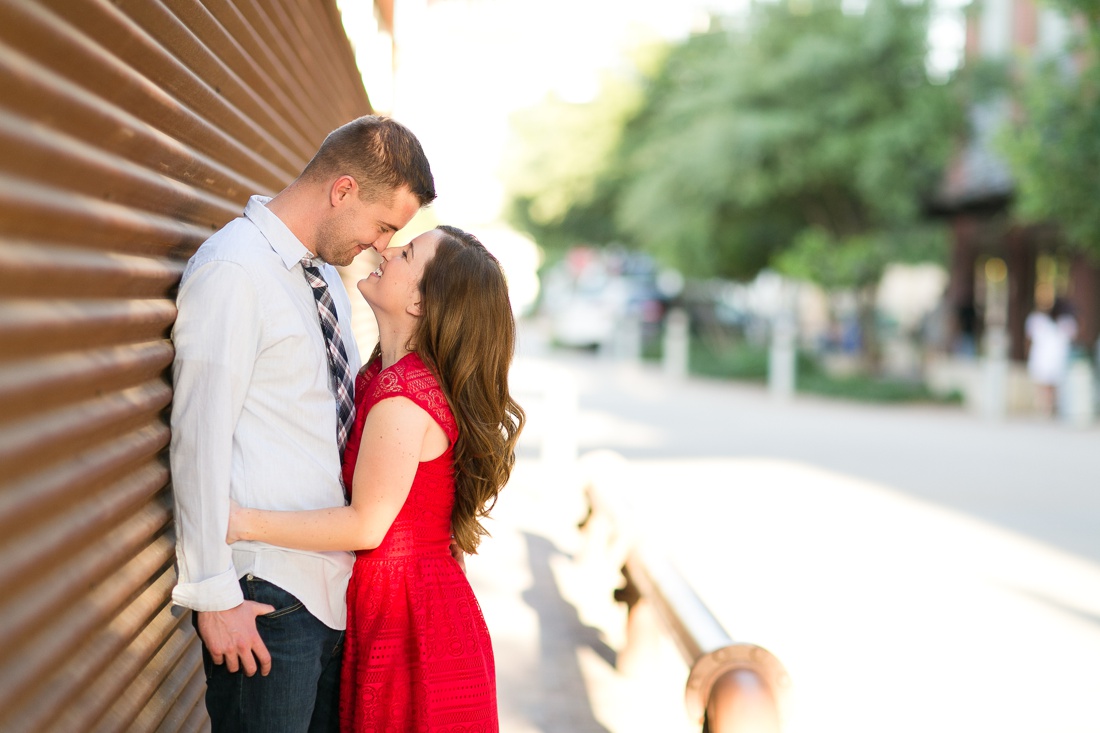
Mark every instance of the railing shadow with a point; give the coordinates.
(566, 705)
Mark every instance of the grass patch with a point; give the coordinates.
(742, 361)
(871, 389)
(748, 362)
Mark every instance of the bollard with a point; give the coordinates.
(1076, 396)
(781, 358)
(676, 343)
(995, 374)
(626, 341)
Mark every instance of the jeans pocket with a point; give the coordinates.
(279, 612)
(262, 591)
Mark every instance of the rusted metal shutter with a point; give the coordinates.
(129, 131)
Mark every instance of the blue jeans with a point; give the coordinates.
(301, 694)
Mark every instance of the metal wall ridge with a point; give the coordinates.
(90, 170)
(177, 38)
(34, 327)
(71, 626)
(56, 44)
(92, 273)
(87, 116)
(96, 652)
(242, 62)
(22, 502)
(29, 210)
(103, 24)
(184, 686)
(130, 131)
(78, 525)
(63, 705)
(59, 433)
(40, 384)
(144, 654)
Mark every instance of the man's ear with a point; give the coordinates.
(342, 188)
(414, 309)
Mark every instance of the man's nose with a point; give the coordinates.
(382, 242)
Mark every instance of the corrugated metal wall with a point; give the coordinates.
(129, 131)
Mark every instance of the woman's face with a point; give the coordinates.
(395, 286)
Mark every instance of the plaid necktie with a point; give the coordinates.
(341, 380)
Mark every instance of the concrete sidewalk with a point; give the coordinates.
(558, 635)
(914, 568)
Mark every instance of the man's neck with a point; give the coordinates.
(290, 205)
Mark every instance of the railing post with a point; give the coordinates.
(737, 689)
(733, 687)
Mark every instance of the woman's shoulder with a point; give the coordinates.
(409, 377)
(408, 372)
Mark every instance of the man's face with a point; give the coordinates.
(354, 225)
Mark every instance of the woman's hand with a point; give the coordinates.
(233, 534)
(458, 555)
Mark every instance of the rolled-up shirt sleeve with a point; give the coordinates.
(217, 336)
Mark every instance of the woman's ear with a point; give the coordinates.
(414, 309)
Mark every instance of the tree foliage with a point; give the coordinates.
(799, 136)
(1053, 149)
(560, 185)
(804, 131)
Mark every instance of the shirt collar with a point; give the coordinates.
(289, 248)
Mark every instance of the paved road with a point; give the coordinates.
(915, 568)
(1029, 475)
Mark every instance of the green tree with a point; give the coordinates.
(559, 186)
(804, 137)
(1053, 148)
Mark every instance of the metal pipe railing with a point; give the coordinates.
(733, 687)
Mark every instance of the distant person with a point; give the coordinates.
(264, 372)
(1050, 334)
(433, 443)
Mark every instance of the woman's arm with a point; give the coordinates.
(397, 435)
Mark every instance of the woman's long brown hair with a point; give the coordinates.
(467, 336)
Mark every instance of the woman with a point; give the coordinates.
(433, 443)
(1050, 336)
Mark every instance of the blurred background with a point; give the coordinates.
(894, 187)
(809, 306)
(800, 264)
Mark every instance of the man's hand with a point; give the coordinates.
(231, 637)
(458, 555)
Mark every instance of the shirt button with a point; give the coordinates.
(250, 576)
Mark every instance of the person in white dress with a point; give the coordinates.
(1050, 335)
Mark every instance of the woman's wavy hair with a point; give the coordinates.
(466, 335)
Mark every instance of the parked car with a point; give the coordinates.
(591, 296)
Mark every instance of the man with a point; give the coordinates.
(264, 370)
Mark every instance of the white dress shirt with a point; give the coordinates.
(253, 417)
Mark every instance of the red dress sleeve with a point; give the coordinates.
(408, 378)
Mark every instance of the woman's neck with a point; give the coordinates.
(393, 343)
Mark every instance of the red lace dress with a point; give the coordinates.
(417, 656)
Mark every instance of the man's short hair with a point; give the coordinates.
(381, 155)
